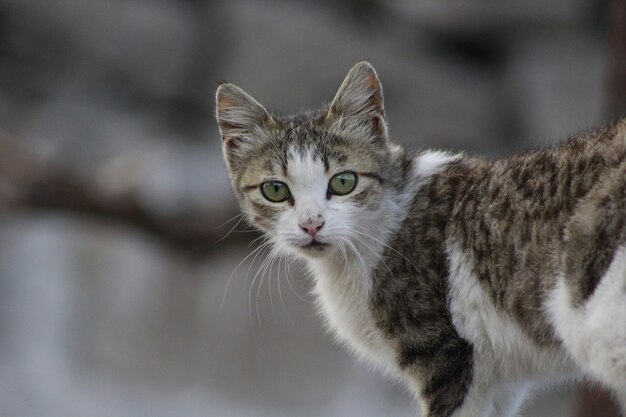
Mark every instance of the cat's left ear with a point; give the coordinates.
(238, 115)
(359, 102)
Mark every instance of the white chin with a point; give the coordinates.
(315, 251)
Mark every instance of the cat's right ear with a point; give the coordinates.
(238, 115)
(358, 105)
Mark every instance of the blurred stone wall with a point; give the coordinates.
(97, 319)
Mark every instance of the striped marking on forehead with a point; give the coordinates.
(306, 164)
(308, 176)
(325, 152)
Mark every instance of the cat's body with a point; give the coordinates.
(468, 279)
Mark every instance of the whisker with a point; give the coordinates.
(258, 238)
(358, 255)
(262, 270)
(252, 286)
(290, 278)
(346, 264)
(371, 250)
(234, 270)
(229, 220)
(280, 293)
(266, 245)
(384, 244)
(269, 285)
(296, 281)
(230, 231)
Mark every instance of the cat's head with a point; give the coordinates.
(315, 181)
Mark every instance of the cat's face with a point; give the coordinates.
(314, 183)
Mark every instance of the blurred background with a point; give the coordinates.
(114, 255)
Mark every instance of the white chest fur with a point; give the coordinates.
(343, 293)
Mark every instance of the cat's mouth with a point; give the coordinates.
(315, 245)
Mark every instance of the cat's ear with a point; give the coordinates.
(359, 101)
(238, 115)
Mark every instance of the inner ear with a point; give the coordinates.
(359, 102)
(238, 114)
(231, 143)
(360, 94)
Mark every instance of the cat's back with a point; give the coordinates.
(509, 218)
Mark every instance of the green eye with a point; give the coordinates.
(275, 191)
(342, 183)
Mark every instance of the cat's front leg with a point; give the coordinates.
(454, 396)
(475, 403)
(479, 401)
(491, 403)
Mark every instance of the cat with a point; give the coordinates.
(471, 280)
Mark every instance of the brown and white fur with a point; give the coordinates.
(469, 279)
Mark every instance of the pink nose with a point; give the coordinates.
(312, 226)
